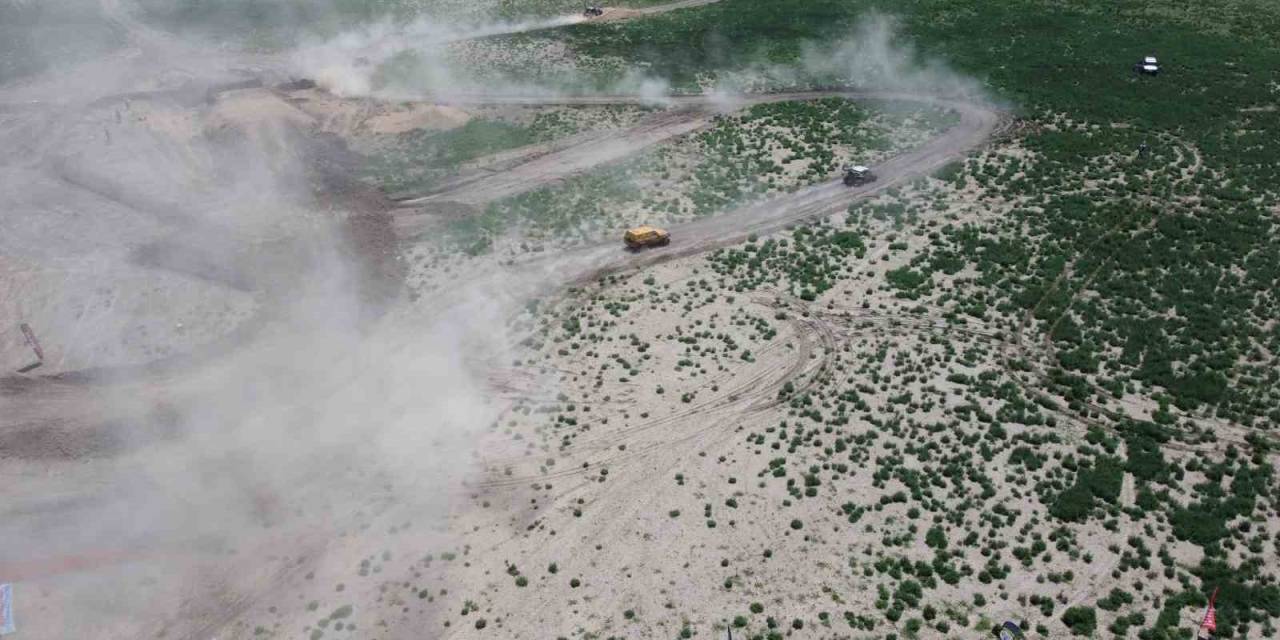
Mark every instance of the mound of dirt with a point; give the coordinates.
(417, 116)
(616, 13)
(250, 110)
(349, 117)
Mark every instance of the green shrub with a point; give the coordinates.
(1082, 621)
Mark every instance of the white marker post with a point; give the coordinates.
(6, 610)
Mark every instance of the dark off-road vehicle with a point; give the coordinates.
(857, 174)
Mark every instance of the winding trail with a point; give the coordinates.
(683, 114)
(548, 163)
(978, 122)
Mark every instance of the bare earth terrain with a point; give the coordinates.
(63, 436)
(275, 402)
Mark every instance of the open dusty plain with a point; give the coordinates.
(324, 365)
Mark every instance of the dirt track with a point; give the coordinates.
(556, 161)
(686, 114)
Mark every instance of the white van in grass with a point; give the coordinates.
(1148, 66)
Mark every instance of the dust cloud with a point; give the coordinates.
(162, 208)
(414, 61)
(156, 194)
(346, 64)
(877, 56)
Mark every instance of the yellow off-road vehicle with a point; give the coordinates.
(646, 236)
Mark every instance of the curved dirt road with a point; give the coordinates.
(554, 161)
(684, 114)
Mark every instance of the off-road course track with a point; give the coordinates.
(101, 454)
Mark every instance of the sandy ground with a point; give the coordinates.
(628, 485)
(356, 118)
(175, 501)
(577, 445)
(561, 159)
(286, 557)
(628, 488)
